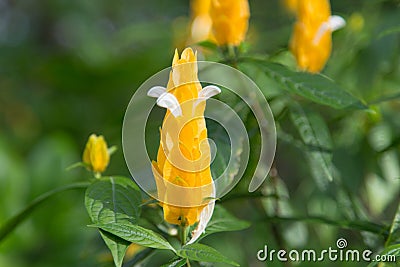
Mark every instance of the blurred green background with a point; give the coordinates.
(68, 68)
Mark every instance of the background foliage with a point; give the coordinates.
(69, 68)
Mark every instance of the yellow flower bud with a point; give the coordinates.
(230, 19)
(311, 42)
(183, 159)
(96, 155)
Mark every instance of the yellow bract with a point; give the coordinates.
(183, 159)
(95, 155)
(201, 21)
(311, 44)
(230, 20)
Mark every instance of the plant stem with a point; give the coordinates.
(13, 222)
(183, 233)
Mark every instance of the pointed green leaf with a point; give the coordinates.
(200, 252)
(117, 246)
(315, 135)
(136, 234)
(314, 87)
(175, 262)
(391, 255)
(110, 200)
(223, 221)
(394, 233)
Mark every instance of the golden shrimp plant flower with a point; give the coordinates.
(96, 156)
(311, 41)
(182, 170)
(230, 19)
(200, 29)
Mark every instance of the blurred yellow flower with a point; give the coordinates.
(133, 250)
(311, 42)
(200, 29)
(183, 159)
(356, 22)
(291, 5)
(95, 155)
(230, 19)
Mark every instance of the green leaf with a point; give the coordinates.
(208, 44)
(394, 233)
(112, 200)
(219, 166)
(117, 246)
(175, 262)
(200, 252)
(136, 234)
(315, 135)
(268, 86)
(393, 251)
(314, 87)
(223, 221)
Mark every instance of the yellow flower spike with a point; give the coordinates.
(96, 156)
(230, 19)
(200, 29)
(183, 159)
(311, 42)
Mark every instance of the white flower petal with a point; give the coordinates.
(156, 91)
(336, 22)
(207, 92)
(169, 101)
(205, 217)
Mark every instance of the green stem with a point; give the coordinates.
(13, 222)
(231, 52)
(183, 233)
